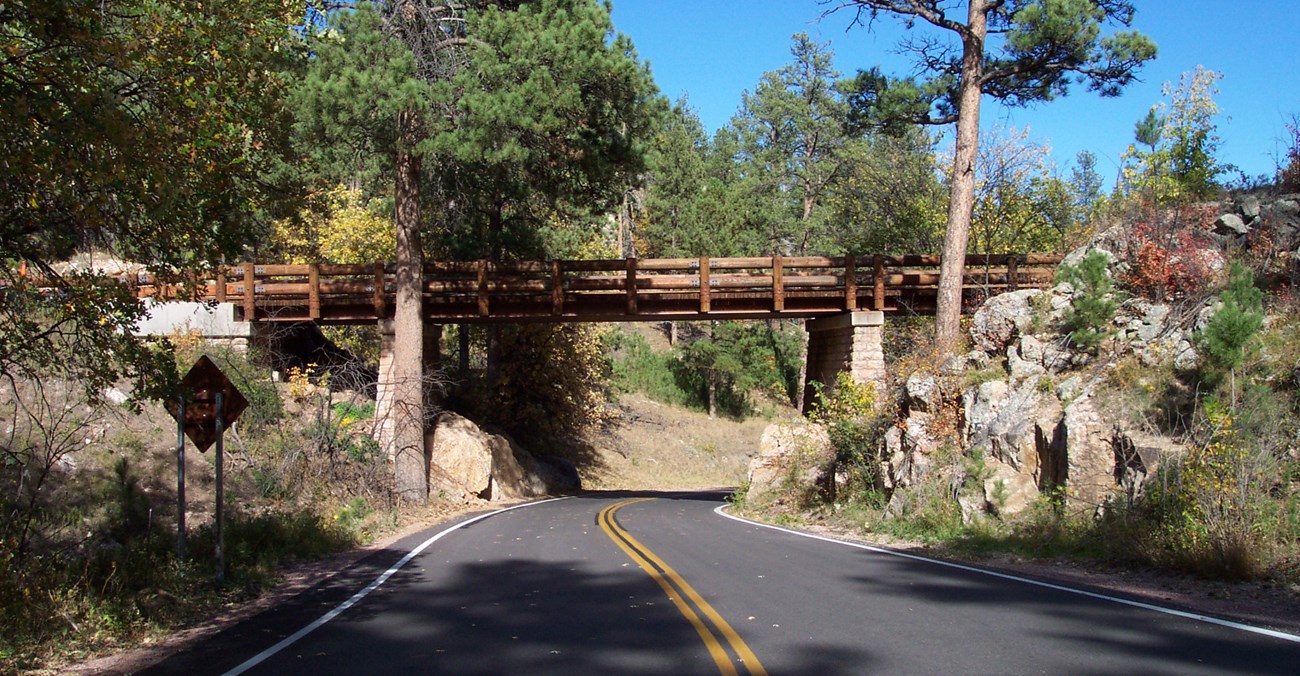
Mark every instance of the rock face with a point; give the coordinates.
(798, 457)
(1001, 319)
(466, 461)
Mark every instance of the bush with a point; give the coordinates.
(1172, 259)
(1094, 303)
(1227, 337)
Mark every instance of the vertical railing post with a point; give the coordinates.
(1011, 272)
(483, 307)
(850, 283)
(313, 291)
(778, 284)
(631, 286)
(705, 301)
(378, 296)
(557, 288)
(250, 303)
(878, 279)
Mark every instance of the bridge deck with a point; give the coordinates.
(612, 290)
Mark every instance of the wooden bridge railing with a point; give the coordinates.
(613, 290)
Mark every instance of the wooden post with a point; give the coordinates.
(878, 278)
(313, 291)
(850, 284)
(250, 282)
(482, 288)
(1011, 272)
(557, 288)
(378, 294)
(704, 285)
(778, 284)
(221, 285)
(631, 286)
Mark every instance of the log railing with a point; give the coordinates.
(612, 290)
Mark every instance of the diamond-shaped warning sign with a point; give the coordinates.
(201, 386)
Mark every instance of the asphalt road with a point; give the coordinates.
(662, 584)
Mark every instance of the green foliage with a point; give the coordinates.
(737, 358)
(887, 197)
(856, 422)
(552, 382)
(1227, 337)
(1020, 205)
(117, 136)
(792, 140)
(1043, 47)
(636, 367)
(1094, 302)
(1180, 164)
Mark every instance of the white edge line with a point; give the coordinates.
(383, 577)
(721, 510)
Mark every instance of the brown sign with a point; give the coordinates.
(201, 386)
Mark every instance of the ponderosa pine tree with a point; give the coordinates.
(1018, 51)
(508, 115)
(792, 133)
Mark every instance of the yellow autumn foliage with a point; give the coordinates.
(340, 226)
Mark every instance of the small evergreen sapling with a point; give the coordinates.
(1225, 341)
(1094, 303)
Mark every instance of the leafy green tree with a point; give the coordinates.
(676, 185)
(1181, 162)
(1020, 205)
(1018, 51)
(141, 126)
(551, 114)
(888, 198)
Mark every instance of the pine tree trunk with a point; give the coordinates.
(961, 198)
(713, 394)
(410, 465)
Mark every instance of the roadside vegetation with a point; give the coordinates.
(1227, 506)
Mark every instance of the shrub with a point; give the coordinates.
(1094, 303)
(1168, 265)
(1226, 338)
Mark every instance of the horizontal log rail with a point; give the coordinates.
(610, 290)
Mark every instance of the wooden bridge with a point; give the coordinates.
(611, 290)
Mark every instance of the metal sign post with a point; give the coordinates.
(214, 402)
(221, 485)
(180, 477)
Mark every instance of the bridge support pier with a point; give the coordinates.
(851, 342)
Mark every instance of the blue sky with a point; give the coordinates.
(712, 50)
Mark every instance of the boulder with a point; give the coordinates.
(921, 390)
(1001, 319)
(466, 461)
(1230, 224)
(797, 456)
(1008, 491)
(463, 452)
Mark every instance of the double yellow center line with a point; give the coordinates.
(687, 600)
